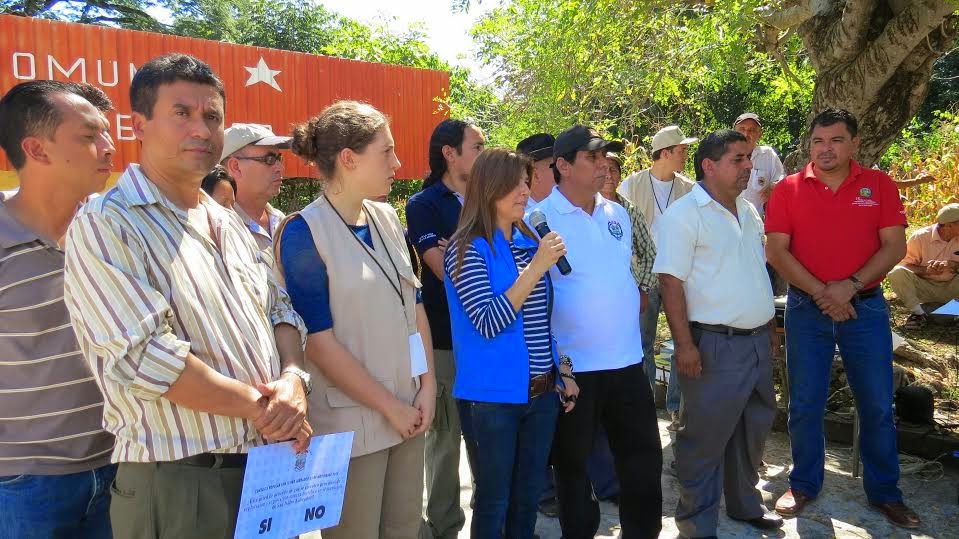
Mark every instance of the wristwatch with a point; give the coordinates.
(566, 360)
(303, 376)
(856, 283)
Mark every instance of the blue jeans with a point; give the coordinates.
(865, 344)
(513, 443)
(647, 328)
(53, 506)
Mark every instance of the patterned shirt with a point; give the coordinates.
(50, 404)
(644, 250)
(145, 287)
(492, 314)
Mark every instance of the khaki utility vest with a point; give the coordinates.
(369, 319)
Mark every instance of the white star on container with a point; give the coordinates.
(262, 73)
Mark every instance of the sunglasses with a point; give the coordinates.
(269, 159)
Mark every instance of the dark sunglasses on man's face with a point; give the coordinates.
(269, 159)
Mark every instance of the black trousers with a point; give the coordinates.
(621, 401)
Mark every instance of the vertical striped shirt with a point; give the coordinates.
(51, 409)
(145, 287)
(490, 314)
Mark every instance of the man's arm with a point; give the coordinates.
(285, 413)
(688, 360)
(124, 320)
(421, 221)
(644, 249)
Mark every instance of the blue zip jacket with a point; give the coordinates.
(497, 369)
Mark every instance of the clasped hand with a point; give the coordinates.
(835, 300)
(283, 412)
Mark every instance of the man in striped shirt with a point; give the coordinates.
(55, 466)
(195, 346)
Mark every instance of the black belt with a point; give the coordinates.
(862, 294)
(729, 330)
(214, 460)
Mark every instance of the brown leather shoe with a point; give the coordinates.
(898, 514)
(792, 503)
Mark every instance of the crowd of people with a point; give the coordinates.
(156, 333)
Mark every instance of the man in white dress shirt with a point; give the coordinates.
(719, 305)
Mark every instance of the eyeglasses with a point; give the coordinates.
(269, 159)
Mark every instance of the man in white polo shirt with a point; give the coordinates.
(767, 168)
(719, 305)
(596, 323)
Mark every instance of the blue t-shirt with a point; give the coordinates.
(307, 281)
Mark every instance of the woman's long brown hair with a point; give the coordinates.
(496, 172)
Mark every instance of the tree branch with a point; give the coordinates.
(883, 57)
(848, 34)
(792, 16)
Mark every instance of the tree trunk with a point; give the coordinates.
(873, 58)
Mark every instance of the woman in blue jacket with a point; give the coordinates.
(508, 371)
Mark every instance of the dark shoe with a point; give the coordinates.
(769, 521)
(792, 503)
(915, 321)
(549, 507)
(898, 514)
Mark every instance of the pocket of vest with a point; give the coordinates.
(338, 399)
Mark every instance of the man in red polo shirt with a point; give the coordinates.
(833, 232)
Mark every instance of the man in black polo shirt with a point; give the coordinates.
(432, 216)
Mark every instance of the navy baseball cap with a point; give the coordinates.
(582, 138)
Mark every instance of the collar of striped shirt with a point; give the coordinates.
(145, 288)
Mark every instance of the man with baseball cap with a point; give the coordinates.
(652, 191)
(251, 156)
(767, 168)
(595, 321)
(539, 148)
(930, 270)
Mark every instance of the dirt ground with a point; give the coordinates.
(841, 510)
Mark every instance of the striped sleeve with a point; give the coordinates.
(489, 313)
(122, 319)
(281, 311)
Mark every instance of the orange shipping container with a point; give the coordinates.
(265, 86)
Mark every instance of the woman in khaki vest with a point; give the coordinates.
(346, 266)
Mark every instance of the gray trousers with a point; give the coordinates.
(444, 517)
(725, 417)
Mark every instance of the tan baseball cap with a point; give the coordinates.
(239, 135)
(948, 214)
(670, 136)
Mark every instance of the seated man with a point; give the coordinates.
(928, 273)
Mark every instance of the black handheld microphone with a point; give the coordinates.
(538, 220)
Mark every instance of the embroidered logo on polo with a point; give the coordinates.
(865, 200)
(616, 229)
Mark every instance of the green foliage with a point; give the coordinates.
(934, 150)
(630, 68)
(125, 13)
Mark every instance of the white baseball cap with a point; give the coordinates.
(670, 136)
(239, 135)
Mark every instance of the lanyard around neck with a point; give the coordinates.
(656, 197)
(366, 248)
